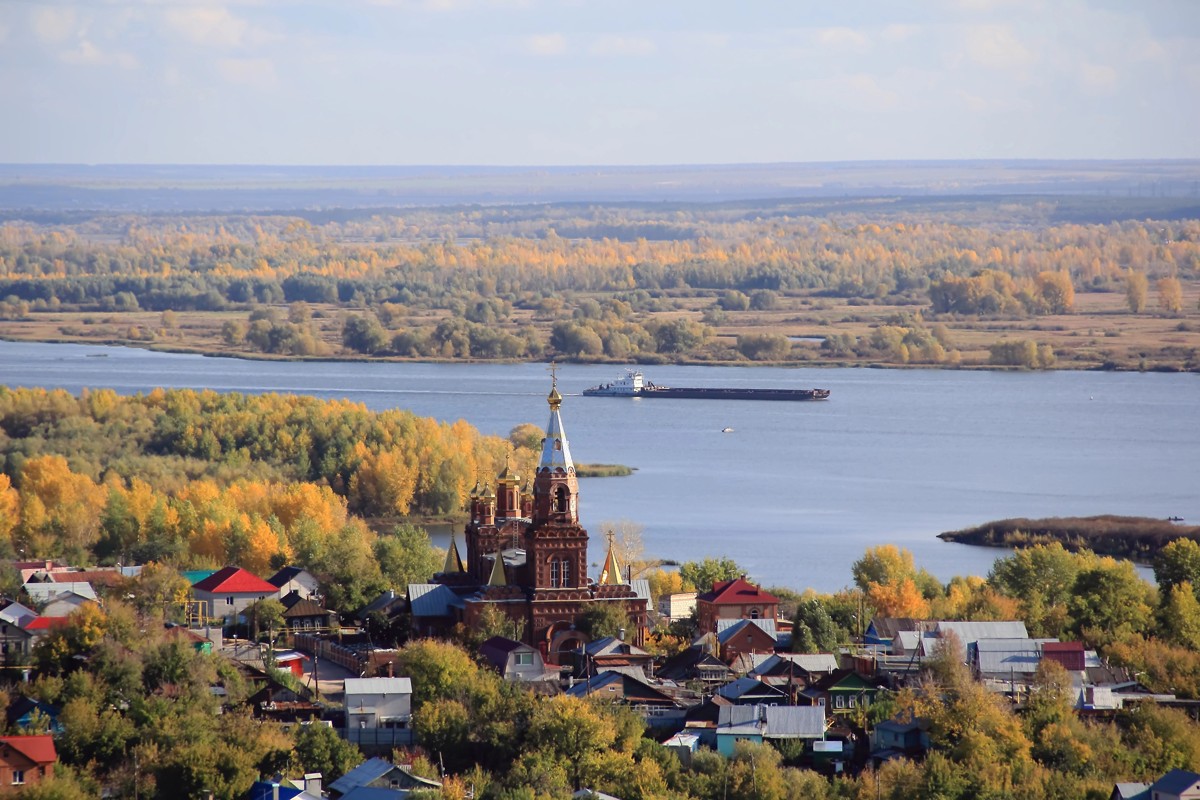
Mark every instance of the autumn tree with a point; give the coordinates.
(1136, 288)
(1170, 295)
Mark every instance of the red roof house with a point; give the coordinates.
(735, 599)
(26, 759)
(230, 591)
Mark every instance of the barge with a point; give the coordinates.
(634, 384)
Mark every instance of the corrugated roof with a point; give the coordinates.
(725, 633)
(16, 614)
(45, 592)
(1008, 656)
(378, 686)
(969, 632)
(432, 600)
(747, 686)
(790, 722)
(641, 588)
(364, 773)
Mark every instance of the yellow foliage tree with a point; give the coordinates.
(63, 508)
(898, 599)
(10, 507)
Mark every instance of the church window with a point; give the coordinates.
(754, 613)
(558, 444)
(560, 499)
(560, 573)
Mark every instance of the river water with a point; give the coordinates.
(796, 491)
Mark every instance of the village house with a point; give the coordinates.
(625, 687)
(759, 723)
(378, 711)
(25, 760)
(737, 637)
(228, 592)
(16, 641)
(841, 692)
(381, 775)
(734, 599)
(516, 661)
(295, 579)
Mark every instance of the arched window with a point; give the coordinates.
(560, 499)
(754, 613)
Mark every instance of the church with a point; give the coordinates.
(526, 555)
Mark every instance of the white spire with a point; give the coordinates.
(556, 452)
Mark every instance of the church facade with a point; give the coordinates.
(527, 555)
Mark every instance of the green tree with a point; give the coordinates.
(407, 556)
(319, 748)
(265, 616)
(577, 732)
(363, 334)
(605, 619)
(701, 575)
(814, 629)
(1176, 563)
(1180, 615)
(1110, 601)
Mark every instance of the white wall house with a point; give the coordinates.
(378, 710)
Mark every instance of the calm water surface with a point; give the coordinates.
(798, 490)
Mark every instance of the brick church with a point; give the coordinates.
(527, 555)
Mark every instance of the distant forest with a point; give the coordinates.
(888, 280)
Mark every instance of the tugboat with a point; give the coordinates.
(634, 384)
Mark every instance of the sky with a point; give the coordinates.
(604, 82)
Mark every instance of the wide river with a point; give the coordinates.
(796, 491)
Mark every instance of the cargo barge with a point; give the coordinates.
(634, 384)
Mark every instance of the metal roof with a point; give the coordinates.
(432, 600)
(1008, 656)
(969, 632)
(777, 663)
(786, 722)
(378, 686)
(45, 592)
(736, 626)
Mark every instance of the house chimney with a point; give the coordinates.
(312, 783)
(621, 634)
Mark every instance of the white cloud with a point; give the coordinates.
(997, 47)
(622, 46)
(209, 26)
(1097, 78)
(258, 73)
(53, 25)
(898, 32)
(87, 54)
(842, 39)
(866, 92)
(546, 44)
